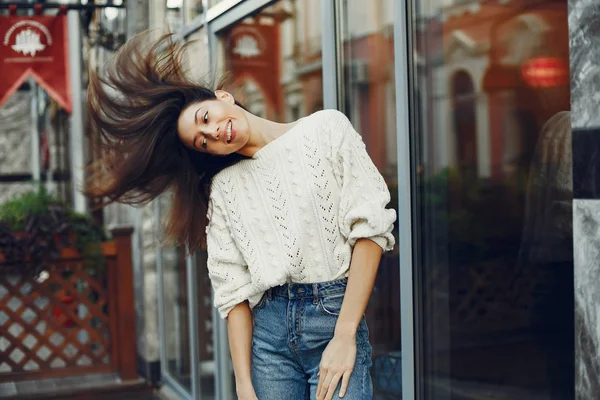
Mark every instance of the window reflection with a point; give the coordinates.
(493, 233)
(196, 56)
(193, 8)
(176, 311)
(369, 102)
(173, 17)
(274, 60)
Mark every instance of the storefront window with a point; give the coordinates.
(176, 311)
(492, 171)
(369, 101)
(274, 59)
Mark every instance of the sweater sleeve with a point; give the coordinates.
(364, 193)
(227, 270)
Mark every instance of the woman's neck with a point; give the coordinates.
(263, 132)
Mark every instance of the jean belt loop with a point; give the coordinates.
(315, 293)
(270, 294)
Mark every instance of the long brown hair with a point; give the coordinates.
(134, 109)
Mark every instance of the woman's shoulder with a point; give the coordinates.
(326, 126)
(327, 118)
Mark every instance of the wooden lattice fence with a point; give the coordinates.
(70, 320)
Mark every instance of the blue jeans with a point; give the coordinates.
(292, 326)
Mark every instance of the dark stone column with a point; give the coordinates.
(584, 35)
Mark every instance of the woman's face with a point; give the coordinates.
(214, 126)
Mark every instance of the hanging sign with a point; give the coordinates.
(35, 46)
(545, 72)
(252, 54)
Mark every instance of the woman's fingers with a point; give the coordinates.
(325, 378)
(324, 381)
(345, 380)
(332, 386)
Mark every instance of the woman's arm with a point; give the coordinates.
(363, 270)
(339, 357)
(239, 328)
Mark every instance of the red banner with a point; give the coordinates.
(252, 54)
(35, 46)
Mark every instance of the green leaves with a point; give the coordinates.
(35, 225)
(20, 207)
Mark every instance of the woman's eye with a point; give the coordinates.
(205, 117)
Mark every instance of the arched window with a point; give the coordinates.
(465, 124)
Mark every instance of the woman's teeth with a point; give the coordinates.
(229, 127)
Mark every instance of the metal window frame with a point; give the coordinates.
(331, 56)
(192, 280)
(77, 139)
(405, 198)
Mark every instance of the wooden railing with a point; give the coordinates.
(71, 319)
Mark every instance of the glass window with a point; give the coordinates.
(196, 55)
(193, 8)
(176, 311)
(369, 101)
(274, 60)
(174, 20)
(204, 312)
(492, 182)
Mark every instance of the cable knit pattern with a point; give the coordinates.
(293, 212)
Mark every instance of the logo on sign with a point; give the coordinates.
(246, 46)
(28, 41)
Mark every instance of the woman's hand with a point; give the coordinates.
(337, 362)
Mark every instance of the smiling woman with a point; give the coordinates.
(294, 208)
(218, 127)
(136, 110)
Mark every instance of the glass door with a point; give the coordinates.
(492, 190)
(369, 100)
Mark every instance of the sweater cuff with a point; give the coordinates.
(253, 300)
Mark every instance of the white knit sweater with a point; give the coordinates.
(293, 212)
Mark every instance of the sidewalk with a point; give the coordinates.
(88, 387)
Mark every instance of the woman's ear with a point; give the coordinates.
(225, 96)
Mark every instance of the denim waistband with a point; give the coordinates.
(308, 290)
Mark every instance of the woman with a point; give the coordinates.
(296, 218)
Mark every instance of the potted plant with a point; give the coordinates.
(35, 226)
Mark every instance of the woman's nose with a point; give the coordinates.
(212, 131)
